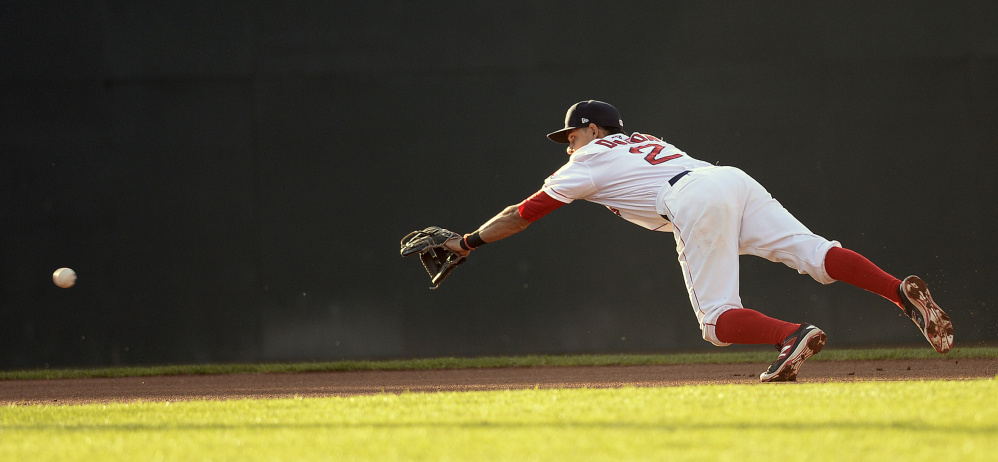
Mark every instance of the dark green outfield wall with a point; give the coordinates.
(231, 179)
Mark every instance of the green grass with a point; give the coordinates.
(491, 362)
(876, 421)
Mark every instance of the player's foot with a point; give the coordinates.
(800, 345)
(923, 311)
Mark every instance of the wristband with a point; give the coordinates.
(464, 243)
(474, 240)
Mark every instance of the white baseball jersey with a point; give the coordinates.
(715, 214)
(624, 173)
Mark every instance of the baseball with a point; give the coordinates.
(64, 277)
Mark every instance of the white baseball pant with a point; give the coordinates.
(719, 213)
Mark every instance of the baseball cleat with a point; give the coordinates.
(918, 305)
(805, 342)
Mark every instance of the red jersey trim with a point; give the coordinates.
(538, 205)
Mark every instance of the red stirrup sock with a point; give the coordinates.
(751, 327)
(850, 267)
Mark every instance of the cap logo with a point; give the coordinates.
(585, 120)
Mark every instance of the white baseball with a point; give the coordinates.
(64, 277)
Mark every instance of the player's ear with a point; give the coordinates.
(594, 130)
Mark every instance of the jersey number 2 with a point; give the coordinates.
(652, 156)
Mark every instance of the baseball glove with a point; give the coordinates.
(438, 260)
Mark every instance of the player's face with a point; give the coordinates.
(580, 137)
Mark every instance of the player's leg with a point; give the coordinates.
(750, 327)
(712, 284)
(771, 232)
(711, 276)
(766, 229)
(911, 295)
(706, 231)
(850, 267)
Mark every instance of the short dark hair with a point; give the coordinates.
(612, 130)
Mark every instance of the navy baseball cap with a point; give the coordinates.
(583, 113)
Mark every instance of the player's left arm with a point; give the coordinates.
(508, 222)
(505, 224)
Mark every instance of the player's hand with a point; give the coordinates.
(454, 244)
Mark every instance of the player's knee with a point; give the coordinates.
(708, 325)
(710, 337)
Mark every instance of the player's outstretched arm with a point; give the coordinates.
(505, 224)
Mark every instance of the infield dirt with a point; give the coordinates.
(319, 384)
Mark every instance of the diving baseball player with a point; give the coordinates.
(715, 213)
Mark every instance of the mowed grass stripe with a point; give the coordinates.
(498, 361)
(897, 421)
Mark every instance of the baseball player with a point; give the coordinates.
(715, 213)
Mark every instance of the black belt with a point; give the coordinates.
(675, 179)
(672, 182)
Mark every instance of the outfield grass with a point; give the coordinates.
(725, 357)
(876, 421)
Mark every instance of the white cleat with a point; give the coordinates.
(923, 311)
